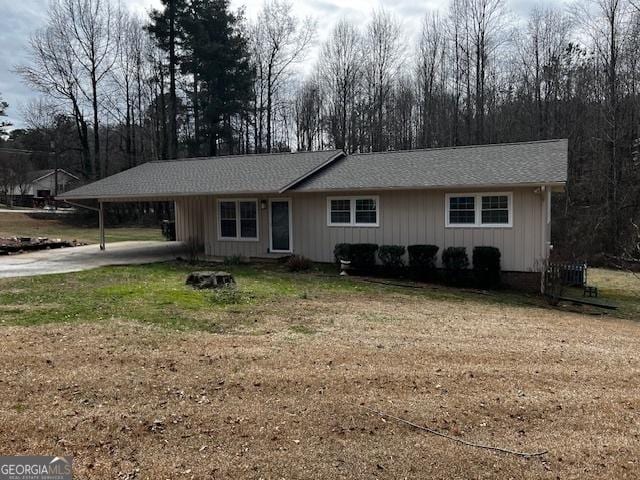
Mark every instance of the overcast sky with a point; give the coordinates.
(21, 17)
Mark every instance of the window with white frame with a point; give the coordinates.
(490, 210)
(238, 219)
(353, 211)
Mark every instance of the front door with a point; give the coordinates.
(280, 225)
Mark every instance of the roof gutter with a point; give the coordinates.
(160, 197)
(80, 205)
(435, 187)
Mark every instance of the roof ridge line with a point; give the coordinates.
(266, 154)
(460, 147)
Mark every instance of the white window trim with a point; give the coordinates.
(288, 200)
(478, 210)
(238, 238)
(352, 206)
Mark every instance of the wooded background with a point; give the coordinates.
(197, 78)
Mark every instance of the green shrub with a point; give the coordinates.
(391, 257)
(298, 263)
(422, 260)
(455, 261)
(363, 256)
(342, 251)
(486, 266)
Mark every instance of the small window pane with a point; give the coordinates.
(341, 211)
(365, 204)
(462, 210)
(228, 220)
(366, 210)
(462, 203)
(248, 229)
(228, 210)
(495, 209)
(340, 205)
(495, 216)
(228, 228)
(462, 216)
(365, 217)
(500, 201)
(248, 210)
(340, 217)
(248, 220)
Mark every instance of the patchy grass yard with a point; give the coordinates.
(23, 225)
(138, 376)
(623, 288)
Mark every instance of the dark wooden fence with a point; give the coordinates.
(566, 274)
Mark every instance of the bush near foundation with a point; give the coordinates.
(486, 266)
(363, 256)
(391, 257)
(422, 261)
(456, 263)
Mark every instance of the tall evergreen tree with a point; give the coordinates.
(217, 55)
(164, 27)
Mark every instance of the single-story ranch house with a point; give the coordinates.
(269, 205)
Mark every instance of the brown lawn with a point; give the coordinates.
(281, 395)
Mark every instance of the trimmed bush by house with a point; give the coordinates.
(342, 251)
(363, 255)
(455, 261)
(486, 266)
(422, 260)
(298, 263)
(391, 257)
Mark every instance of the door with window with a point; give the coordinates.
(280, 225)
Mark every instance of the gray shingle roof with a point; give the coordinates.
(263, 173)
(499, 164)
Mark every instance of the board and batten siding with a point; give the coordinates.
(406, 217)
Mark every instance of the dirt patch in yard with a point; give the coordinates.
(282, 398)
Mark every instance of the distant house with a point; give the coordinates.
(269, 205)
(43, 184)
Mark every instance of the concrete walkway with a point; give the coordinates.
(76, 259)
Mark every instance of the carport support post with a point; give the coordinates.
(101, 222)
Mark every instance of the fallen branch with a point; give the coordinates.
(455, 439)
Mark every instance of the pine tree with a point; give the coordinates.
(216, 53)
(164, 27)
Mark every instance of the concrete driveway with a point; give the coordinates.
(76, 259)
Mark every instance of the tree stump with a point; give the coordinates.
(211, 280)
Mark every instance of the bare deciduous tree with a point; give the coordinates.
(280, 41)
(384, 57)
(340, 68)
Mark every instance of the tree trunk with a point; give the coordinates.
(96, 127)
(173, 127)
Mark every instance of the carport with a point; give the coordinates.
(100, 208)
